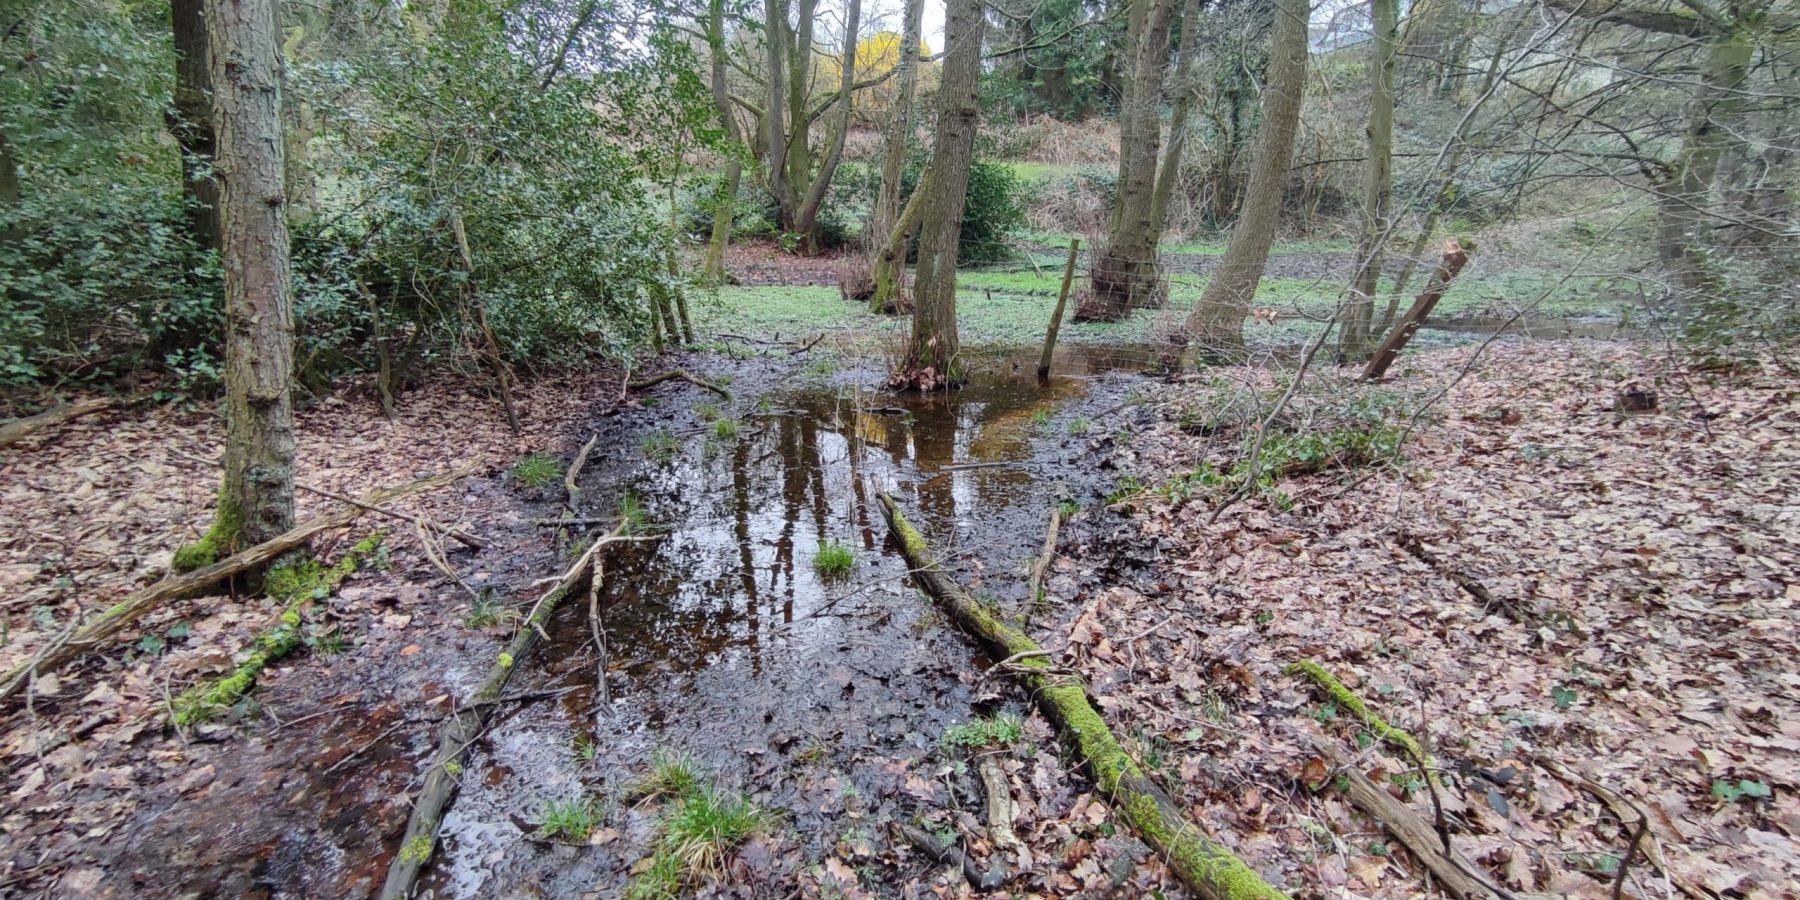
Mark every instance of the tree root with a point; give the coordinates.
(71, 645)
(683, 375)
(1204, 865)
(1347, 699)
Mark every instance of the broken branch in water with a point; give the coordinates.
(72, 644)
(1042, 565)
(683, 375)
(1201, 863)
(465, 725)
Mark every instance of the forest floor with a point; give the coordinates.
(1642, 567)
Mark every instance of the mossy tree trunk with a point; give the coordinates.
(932, 356)
(890, 257)
(725, 198)
(1217, 322)
(257, 502)
(1378, 183)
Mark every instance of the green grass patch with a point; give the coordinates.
(699, 830)
(537, 471)
(983, 733)
(571, 820)
(834, 559)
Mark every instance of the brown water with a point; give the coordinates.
(816, 696)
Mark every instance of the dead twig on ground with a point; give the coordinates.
(683, 375)
(460, 536)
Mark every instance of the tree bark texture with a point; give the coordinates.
(1169, 173)
(191, 122)
(1378, 183)
(258, 499)
(899, 130)
(932, 352)
(1124, 275)
(1682, 231)
(1217, 323)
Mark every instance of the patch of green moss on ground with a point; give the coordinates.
(1347, 699)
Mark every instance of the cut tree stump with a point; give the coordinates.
(73, 644)
(1204, 865)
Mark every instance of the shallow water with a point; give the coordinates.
(812, 694)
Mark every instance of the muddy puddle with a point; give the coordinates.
(820, 697)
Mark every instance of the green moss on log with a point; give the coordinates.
(1206, 866)
(1347, 699)
(294, 584)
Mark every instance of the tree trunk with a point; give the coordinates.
(775, 28)
(899, 131)
(191, 120)
(1378, 184)
(807, 222)
(1170, 172)
(725, 199)
(258, 499)
(932, 360)
(890, 258)
(10, 194)
(1455, 257)
(1217, 323)
(1124, 274)
(1718, 103)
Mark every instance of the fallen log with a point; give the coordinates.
(72, 644)
(464, 726)
(1455, 874)
(683, 375)
(1346, 698)
(1204, 865)
(16, 430)
(999, 804)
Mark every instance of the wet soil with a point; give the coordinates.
(822, 698)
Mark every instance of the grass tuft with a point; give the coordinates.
(984, 732)
(834, 559)
(572, 820)
(537, 471)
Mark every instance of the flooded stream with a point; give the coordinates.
(813, 695)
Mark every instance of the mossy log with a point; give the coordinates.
(73, 644)
(444, 770)
(297, 587)
(1204, 865)
(1347, 699)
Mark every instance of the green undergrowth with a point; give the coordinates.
(983, 733)
(292, 584)
(700, 825)
(570, 820)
